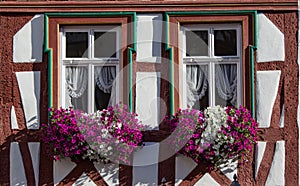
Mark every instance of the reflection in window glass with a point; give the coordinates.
(226, 84)
(105, 44)
(76, 87)
(196, 43)
(76, 44)
(197, 86)
(225, 43)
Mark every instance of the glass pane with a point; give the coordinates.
(77, 44)
(197, 86)
(196, 43)
(104, 87)
(105, 44)
(226, 84)
(225, 42)
(77, 88)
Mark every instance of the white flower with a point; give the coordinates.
(119, 125)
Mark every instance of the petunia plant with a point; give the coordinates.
(111, 134)
(217, 136)
(62, 135)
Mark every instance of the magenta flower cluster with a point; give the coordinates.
(62, 135)
(111, 134)
(216, 136)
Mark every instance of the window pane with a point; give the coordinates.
(196, 43)
(77, 88)
(197, 86)
(77, 44)
(104, 87)
(225, 43)
(226, 84)
(105, 44)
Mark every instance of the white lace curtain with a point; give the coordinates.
(104, 77)
(226, 82)
(225, 79)
(197, 83)
(105, 80)
(77, 80)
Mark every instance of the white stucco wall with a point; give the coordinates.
(277, 170)
(34, 148)
(29, 86)
(267, 83)
(28, 41)
(17, 170)
(13, 119)
(149, 37)
(145, 165)
(259, 152)
(207, 180)
(183, 167)
(84, 180)
(270, 43)
(109, 172)
(61, 169)
(148, 98)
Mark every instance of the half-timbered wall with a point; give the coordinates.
(24, 90)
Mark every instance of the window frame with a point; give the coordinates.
(248, 23)
(211, 60)
(91, 62)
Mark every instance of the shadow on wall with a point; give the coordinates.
(22, 155)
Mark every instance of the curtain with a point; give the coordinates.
(76, 84)
(104, 77)
(226, 82)
(197, 83)
(105, 81)
(76, 80)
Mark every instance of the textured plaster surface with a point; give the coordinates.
(207, 180)
(29, 86)
(270, 43)
(276, 174)
(28, 41)
(109, 172)
(184, 166)
(267, 83)
(13, 119)
(34, 148)
(230, 170)
(61, 169)
(147, 98)
(260, 150)
(145, 161)
(149, 37)
(84, 180)
(16, 166)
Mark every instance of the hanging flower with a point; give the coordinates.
(111, 134)
(218, 135)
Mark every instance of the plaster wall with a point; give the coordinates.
(269, 77)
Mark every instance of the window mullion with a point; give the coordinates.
(90, 88)
(211, 74)
(92, 48)
(211, 43)
(212, 84)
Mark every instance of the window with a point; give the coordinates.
(211, 61)
(90, 61)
